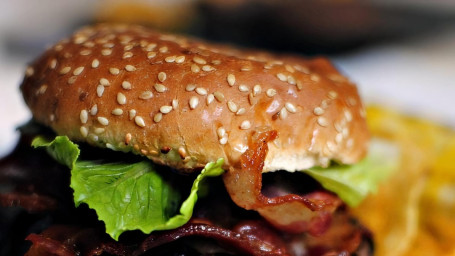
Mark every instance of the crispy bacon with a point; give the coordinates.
(249, 237)
(65, 240)
(292, 213)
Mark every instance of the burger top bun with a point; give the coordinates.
(183, 103)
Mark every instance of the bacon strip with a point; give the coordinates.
(249, 238)
(291, 213)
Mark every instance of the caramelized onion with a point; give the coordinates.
(291, 213)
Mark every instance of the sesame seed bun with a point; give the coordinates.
(183, 102)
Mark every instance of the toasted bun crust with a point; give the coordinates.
(183, 102)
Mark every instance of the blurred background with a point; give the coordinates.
(400, 53)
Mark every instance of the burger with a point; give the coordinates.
(147, 143)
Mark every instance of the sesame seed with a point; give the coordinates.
(79, 39)
(106, 52)
(157, 117)
(251, 99)
(257, 89)
(127, 55)
(195, 68)
(84, 131)
(165, 109)
(130, 68)
(78, 71)
(163, 49)
(232, 106)
(243, 88)
(345, 132)
(121, 98)
(302, 69)
(245, 125)
(337, 78)
(117, 111)
(128, 47)
(338, 127)
(216, 62)
(207, 68)
(146, 95)
(282, 77)
(322, 121)
(299, 85)
(85, 52)
(283, 113)
(132, 113)
(72, 79)
(42, 89)
(194, 101)
(170, 59)
(180, 59)
(231, 79)
(89, 44)
(99, 130)
(94, 110)
(190, 87)
(201, 91)
(126, 85)
(241, 111)
(160, 88)
(175, 103)
(58, 47)
(128, 138)
(291, 80)
(332, 95)
(339, 138)
(53, 64)
(219, 96)
(114, 71)
(199, 60)
(290, 107)
(108, 45)
(95, 63)
(102, 120)
(139, 121)
(162, 76)
(93, 137)
(324, 104)
(210, 98)
(83, 116)
(348, 115)
(270, 92)
(315, 78)
(223, 140)
(221, 132)
(318, 111)
(352, 101)
(289, 68)
(151, 55)
(65, 70)
(150, 47)
(245, 68)
(182, 152)
(99, 90)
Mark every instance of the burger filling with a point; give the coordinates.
(300, 215)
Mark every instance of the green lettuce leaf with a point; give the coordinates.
(126, 196)
(352, 183)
